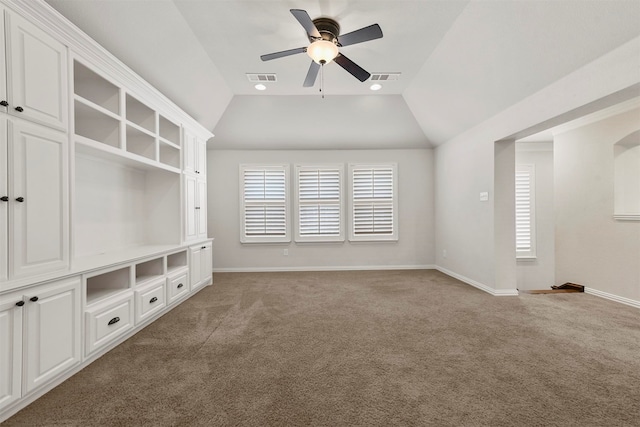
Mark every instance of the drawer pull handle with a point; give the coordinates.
(34, 299)
(180, 285)
(152, 300)
(20, 303)
(4, 103)
(19, 109)
(114, 321)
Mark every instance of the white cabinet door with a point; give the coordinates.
(201, 208)
(51, 331)
(38, 200)
(201, 154)
(190, 152)
(36, 73)
(3, 64)
(206, 263)
(195, 266)
(10, 349)
(4, 203)
(191, 211)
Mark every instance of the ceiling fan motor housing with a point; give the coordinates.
(328, 29)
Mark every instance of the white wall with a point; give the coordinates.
(592, 248)
(539, 273)
(465, 165)
(415, 247)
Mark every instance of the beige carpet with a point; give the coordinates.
(362, 349)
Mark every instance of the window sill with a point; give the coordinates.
(526, 258)
(626, 217)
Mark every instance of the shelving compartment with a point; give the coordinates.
(141, 143)
(96, 125)
(103, 285)
(169, 155)
(93, 87)
(140, 114)
(169, 130)
(176, 261)
(149, 270)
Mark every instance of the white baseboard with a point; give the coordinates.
(612, 297)
(481, 286)
(323, 268)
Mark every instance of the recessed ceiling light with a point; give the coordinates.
(376, 86)
(260, 86)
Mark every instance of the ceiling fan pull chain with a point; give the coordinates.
(322, 80)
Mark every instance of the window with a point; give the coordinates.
(319, 205)
(374, 202)
(525, 211)
(264, 203)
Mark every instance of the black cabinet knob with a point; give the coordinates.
(114, 320)
(204, 247)
(180, 285)
(4, 198)
(197, 207)
(19, 109)
(152, 300)
(4, 103)
(20, 303)
(20, 199)
(34, 299)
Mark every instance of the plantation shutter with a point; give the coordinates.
(374, 203)
(525, 211)
(319, 204)
(264, 197)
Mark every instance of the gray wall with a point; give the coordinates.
(415, 247)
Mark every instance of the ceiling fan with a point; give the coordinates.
(324, 35)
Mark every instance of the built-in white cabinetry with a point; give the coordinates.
(42, 329)
(34, 211)
(35, 84)
(195, 187)
(200, 265)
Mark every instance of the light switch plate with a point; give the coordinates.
(484, 196)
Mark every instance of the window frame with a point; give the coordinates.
(244, 238)
(530, 253)
(394, 235)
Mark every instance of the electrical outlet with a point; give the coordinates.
(285, 252)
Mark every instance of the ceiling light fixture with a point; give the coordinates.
(376, 86)
(322, 51)
(260, 86)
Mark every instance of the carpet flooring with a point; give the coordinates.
(376, 348)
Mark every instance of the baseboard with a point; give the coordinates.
(481, 286)
(612, 297)
(323, 268)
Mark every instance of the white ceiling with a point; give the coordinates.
(461, 62)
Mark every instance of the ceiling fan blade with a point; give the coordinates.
(365, 34)
(312, 74)
(354, 69)
(303, 18)
(276, 55)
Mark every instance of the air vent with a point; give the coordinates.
(255, 78)
(385, 76)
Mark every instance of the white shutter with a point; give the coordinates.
(264, 204)
(319, 205)
(374, 202)
(525, 211)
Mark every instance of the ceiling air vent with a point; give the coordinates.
(384, 77)
(256, 78)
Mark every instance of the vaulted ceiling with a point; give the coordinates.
(460, 62)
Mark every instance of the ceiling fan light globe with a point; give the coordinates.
(322, 51)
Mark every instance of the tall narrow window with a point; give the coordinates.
(525, 211)
(264, 204)
(319, 205)
(374, 202)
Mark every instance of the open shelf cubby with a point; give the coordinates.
(140, 114)
(176, 261)
(95, 125)
(149, 270)
(103, 285)
(95, 88)
(169, 130)
(141, 143)
(169, 155)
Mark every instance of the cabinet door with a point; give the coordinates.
(191, 208)
(201, 208)
(4, 206)
(10, 349)
(195, 266)
(201, 154)
(190, 163)
(37, 73)
(52, 331)
(38, 200)
(207, 263)
(3, 64)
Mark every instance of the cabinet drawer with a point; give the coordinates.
(150, 299)
(177, 286)
(108, 321)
